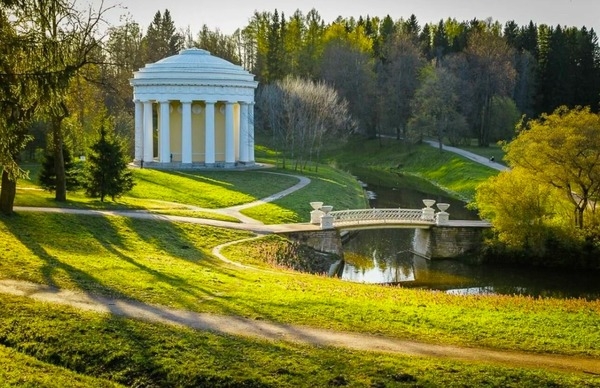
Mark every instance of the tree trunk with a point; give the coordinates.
(7, 194)
(579, 216)
(59, 163)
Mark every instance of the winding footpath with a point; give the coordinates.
(239, 326)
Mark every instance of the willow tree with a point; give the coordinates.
(562, 149)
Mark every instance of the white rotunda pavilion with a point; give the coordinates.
(201, 108)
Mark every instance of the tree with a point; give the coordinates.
(47, 175)
(563, 150)
(521, 209)
(107, 172)
(161, 38)
(125, 55)
(504, 116)
(218, 44)
(302, 116)
(57, 40)
(398, 81)
(19, 101)
(492, 74)
(435, 107)
(350, 71)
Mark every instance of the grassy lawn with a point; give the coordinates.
(452, 173)
(205, 189)
(21, 370)
(327, 185)
(182, 192)
(494, 150)
(170, 264)
(41, 340)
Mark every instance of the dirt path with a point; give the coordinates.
(239, 326)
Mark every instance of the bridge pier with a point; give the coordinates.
(328, 241)
(448, 241)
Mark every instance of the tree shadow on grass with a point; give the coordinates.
(121, 258)
(55, 271)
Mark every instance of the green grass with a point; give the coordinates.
(208, 189)
(179, 193)
(21, 370)
(327, 185)
(47, 342)
(170, 264)
(169, 192)
(494, 150)
(451, 173)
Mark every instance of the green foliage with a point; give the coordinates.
(162, 39)
(522, 221)
(504, 118)
(107, 172)
(545, 205)
(561, 149)
(73, 172)
(436, 108)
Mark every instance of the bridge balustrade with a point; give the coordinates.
(378, 216)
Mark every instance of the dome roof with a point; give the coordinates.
(195, 58)
(192, 68)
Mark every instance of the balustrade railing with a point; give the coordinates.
(370, 216)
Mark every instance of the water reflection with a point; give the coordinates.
(384, 256)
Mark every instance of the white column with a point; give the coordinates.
(244, 132)
(229, 135)
(186, 132)
(148, 152)
(251, 133)
(139, 131)
(165, 133)
(209, 129)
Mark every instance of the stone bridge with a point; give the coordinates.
(436, 236)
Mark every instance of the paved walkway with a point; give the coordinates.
(246, 223)
(469, 155)
(239, 326)
(235, 211)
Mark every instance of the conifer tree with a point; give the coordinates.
(107, 172)
(47, 175)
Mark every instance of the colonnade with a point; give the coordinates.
(237, 124)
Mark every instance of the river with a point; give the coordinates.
(384, 256)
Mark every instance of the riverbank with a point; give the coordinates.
(451, 173)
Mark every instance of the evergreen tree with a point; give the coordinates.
(47, 175)
(162, 39)
(107, 172)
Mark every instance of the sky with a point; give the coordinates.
(229, 15)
